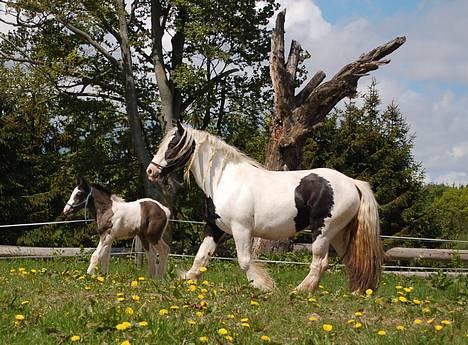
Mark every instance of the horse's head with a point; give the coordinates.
(175, 150)
(79, 197)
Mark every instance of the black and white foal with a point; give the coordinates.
(117, 219)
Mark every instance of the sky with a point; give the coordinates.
(427, 77)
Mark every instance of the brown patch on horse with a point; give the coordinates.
(153, 222)
(103, 206)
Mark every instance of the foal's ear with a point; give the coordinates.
(180, 128)
(80, 181)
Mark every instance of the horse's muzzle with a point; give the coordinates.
(153, 173)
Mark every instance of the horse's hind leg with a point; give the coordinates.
(163, 251)
(256, 274)
(318, 266)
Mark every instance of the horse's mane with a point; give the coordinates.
(230, 151)
(106, 191)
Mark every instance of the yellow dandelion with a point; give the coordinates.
(426, 310)
(245, 319)
(75, 338)
(416, 301)
(430, 321)
(313, 318)
(417, 321)
(438, 327)
(254, 303)
(203, 339)
(119, 294)
(398, 287)
(201, 296)
(136, 298)
(24, 302)
(381, 332)
(350, 321)
(230, 316)
(369, 292)
(191, 322)
(190, 281)
(403, 299)
(143, 323)
(12, 270)
(123, 326)
(245, 324)
(87, 288)
(129, 311)
(446, 322)
(174, 307)
(141, 278)
(163, 312)
(400, 328)
(21, 269)
(19, 317)
(358, 313)
(33, 270)
(357, 325)
(228, 338)
(203, 269)
(125, 342)
(265, 338)
(199, 314)
(327, 328)
(101, 279)
(120, 299)
(192, 288)
(223, 331)
(408, 289)
(311, 299)
(205, 282)
(204, 304)
(134, 283)
(203, 290)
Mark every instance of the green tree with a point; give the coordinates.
(373, 145)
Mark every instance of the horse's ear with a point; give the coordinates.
(180, 128)
(80, 181)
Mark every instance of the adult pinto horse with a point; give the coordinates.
(117, 219)
(245, 200)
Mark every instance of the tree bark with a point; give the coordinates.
(295, 116)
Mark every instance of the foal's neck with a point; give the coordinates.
(102, 201)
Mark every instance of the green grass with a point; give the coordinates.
(58, 300)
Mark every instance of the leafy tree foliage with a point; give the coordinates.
(373, 145)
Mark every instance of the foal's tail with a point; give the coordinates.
(364, 254)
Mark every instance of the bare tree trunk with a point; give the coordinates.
(296, 115)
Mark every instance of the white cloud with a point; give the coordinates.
(459, 150)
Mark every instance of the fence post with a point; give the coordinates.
(138, 252)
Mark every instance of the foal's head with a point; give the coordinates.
(174, 152)
(79, 198)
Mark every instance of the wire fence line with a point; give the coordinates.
(406, 238)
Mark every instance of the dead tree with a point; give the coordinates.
(296, 115)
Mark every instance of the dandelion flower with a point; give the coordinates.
(417, 321)
(141, 278)
(400, 328)
(381, 332)
(123, 326)
(143, 323)
(426, 310)
(327, 328)
(223, 331)
(75, 338)
(129, 311)
(205, 282)
(228, 338)
(245, 319)
(369, 292)
(254, 303)
(24, 302)
(358, 313)
(203, 269)
(313, 318)
(134, 283)
(125, 342)
(231, 316)
(101, 279)
(199, 314)
(446, 322)
(120, 299)
(19, 317)
(136, 298)
(191, 322)
(163, 312)
(87, 288)
(416, 301)
(357, 325)
(438, 327)
(350, 321)
(174, 307)
(265, 338)
(403, 299)
(203, 339)
(201, 296)
(311, 299)
(204, 304)
(192, 288)
(245, 324)
(430, 321)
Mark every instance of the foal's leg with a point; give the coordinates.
(256, 274)
(95, 257)
(318, 266)
(104, 254)
(163, 251)
(213, 235)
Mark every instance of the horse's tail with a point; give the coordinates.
(364, 255)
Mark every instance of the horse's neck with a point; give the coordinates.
(208, 166)
(101, 202)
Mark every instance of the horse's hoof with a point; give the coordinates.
(186, 275)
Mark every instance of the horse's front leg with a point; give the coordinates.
(104, 255)
(95, 257)
(256, 273)
(213, 235)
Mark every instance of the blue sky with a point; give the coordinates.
(427, 77)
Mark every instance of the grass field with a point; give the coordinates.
(55, 302)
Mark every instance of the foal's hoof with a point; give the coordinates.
(305, 287)
(265, 284)
(188, 275)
